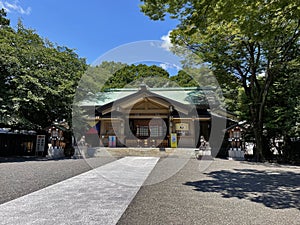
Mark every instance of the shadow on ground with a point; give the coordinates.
(21, 159)
(274, 189)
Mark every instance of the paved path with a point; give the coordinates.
(23, 175)
(99, 196)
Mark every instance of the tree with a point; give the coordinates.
(134, 75)
(245, 39)
(3, 20)
(183, 79)
(38, 78)
(283, 113)
(202, 76)
(8, 66)
(118, 75)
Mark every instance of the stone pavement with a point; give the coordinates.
(99, 196)
(23, 175)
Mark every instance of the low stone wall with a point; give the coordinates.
(236, 154)
(121, 152)
(55, 153)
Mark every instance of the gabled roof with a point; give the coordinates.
(144, 93)
(186, 96)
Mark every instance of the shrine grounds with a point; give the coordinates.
(226, 192)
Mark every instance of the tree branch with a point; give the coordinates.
(291, 41)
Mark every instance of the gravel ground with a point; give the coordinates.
(227, 192)
(202, 192)
(21, 176)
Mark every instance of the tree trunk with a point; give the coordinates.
(286, 148)
(258, 134)
(257, 122)
(257, 111)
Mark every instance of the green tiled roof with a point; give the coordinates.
(187, 96)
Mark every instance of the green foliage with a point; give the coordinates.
(3, 20)
(38, 79)
(197, 73)
(113, 75)
(283, 108)
(241, 38)
(94, 79)
(183, 79)
(242, 105)
(134, 75)
(119, 75)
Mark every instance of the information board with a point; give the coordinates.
(173, 140)
(40, 143)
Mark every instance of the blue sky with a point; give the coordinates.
(91, 27)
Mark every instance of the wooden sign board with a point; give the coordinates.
(182, 126)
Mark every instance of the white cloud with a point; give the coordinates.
(164, 66)
(167, 66)
(166, 41)
(14, 7)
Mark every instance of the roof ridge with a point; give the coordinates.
(162, 89)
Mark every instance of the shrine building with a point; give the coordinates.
(155, 117)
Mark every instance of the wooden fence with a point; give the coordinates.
(14, 144)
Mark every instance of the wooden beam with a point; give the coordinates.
(147, 116)
(149, 111)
